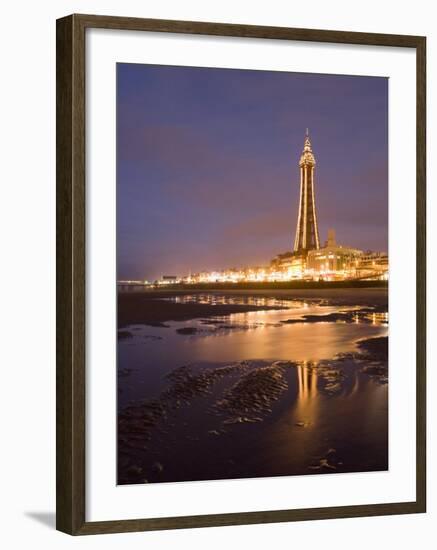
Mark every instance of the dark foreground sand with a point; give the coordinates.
(253, 419)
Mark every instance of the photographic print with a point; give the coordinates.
(252, 274)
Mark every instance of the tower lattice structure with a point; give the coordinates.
(307, 233)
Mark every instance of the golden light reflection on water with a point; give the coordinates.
(306, 405)
(271, 340)
(375, 318)
(307, 382)
(317, 421)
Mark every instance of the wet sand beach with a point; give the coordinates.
(222, 385)
(154, 307)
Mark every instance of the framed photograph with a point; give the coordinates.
(240, 274)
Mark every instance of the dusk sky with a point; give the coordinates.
(208, 165)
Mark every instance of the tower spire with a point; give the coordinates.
(307, 143)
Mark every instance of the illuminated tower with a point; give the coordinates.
(307, 233)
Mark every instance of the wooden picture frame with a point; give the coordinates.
(71, 247)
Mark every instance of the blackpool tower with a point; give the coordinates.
(307, 233)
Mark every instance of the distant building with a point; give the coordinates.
(289, 265)
(332, 261)
(372, 265)
(169, 280)
(131, 286)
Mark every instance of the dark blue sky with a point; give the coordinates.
(207, 164)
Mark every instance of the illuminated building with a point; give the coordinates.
(332, 261)
(290, 265)
(168, 280)
(372, 265)
(307, 233)
(131, 286)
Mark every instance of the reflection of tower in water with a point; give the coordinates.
(307, 380)
(307, 397)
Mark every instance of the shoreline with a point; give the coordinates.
(140, 309)
(273, 285)
(150, 307)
